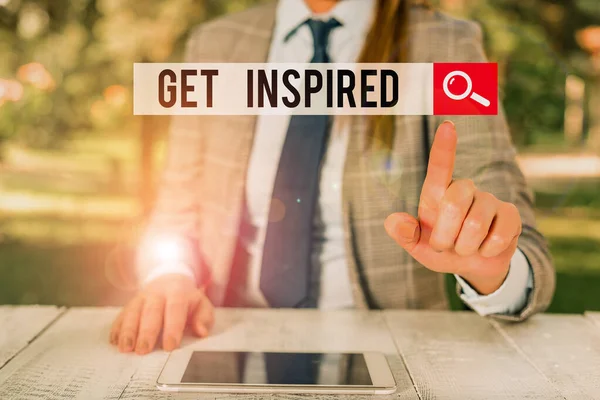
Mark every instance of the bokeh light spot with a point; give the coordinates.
(37, 75)
(115, 95)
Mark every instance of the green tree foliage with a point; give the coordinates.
(88, 47)
(533, 74)
(535, 43)
(560, 21)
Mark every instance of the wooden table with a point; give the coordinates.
(58, 353)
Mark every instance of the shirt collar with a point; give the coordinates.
(354, 15)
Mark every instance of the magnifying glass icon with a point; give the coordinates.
(468, 93)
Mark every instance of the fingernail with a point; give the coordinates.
(408, 230)
(142, 347)
(170, 344)
(405, 226)
(129, 344)
(437, 250)
(113, 338)
(438, 242)
(202, 331)
(450, 122)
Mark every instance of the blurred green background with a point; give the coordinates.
(78, 171)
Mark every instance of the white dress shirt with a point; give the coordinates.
(329, 256)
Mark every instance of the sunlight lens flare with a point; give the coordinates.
(166, 249)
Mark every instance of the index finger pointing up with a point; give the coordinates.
(441, 164)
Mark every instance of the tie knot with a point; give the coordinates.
(320, 30)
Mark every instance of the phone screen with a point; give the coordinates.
(277, 369)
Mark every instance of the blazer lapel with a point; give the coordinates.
(371, 188)
(375, 184)
(231, 138)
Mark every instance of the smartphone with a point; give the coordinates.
(276, 372)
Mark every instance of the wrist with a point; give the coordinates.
(486, 284)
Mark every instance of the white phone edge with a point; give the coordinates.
(169, 380)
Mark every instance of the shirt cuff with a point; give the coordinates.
(510, 298)
(168, 269)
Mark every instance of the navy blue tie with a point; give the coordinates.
(286, 265)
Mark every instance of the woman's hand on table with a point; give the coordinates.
(168, 303)
(460, 229)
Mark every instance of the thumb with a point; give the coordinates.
(404, 229)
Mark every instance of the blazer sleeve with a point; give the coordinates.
(486, 155)
(170, 236)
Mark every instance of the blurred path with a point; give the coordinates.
(544, 166)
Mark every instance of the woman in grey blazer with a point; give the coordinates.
(399, 200)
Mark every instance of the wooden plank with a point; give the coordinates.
(564, 348)
(285, 330)
(71, 359)
(462, 356)
(20, 325)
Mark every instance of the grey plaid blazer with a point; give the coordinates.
(201, 195)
